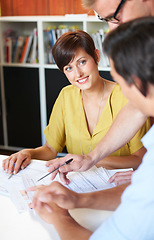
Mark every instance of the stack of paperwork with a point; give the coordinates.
(16, 187)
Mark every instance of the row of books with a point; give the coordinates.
(50, 37)
(20, 48)
(24, 49)
(98, 38)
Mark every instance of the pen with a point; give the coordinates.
(67, 162)
(11, 173)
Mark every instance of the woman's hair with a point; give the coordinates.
(131, 47)
(66, 46)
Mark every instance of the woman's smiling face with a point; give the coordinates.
(82, 71)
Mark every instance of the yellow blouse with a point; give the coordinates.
(68, 126)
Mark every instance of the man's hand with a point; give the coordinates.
(65, 225)
(56, 193)
(80, 163)
(48, 212)
(16, 161)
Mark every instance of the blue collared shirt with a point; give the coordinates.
(134, 218)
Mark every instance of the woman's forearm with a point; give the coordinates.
(43, 153)
(115, 162)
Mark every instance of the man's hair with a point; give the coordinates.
(131, 47)
(65, 48)
(88, 3)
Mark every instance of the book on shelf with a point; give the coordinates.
(26, 49)
(8, 49)
(59, 32)
(102, 35)
(18, 51)
(14, 47)
(10, 36)
(52, 40)
(30, 51)
(33, 58)
(98, 38)
(50, 35)
(47, 48)
(20, 48)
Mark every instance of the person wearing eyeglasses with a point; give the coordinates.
(115, 17)
(133, 218)
(117, 12)
(130, 119)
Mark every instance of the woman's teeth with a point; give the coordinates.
(82, 80)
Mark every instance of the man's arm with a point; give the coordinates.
(65, 225)
(108, 199)
(46, 196)
(118, 162)
(44, 204)
(127, 123)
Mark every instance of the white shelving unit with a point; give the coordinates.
(25, 25)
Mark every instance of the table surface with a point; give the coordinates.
(29, 225)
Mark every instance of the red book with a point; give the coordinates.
(8, 45)
(24, 50)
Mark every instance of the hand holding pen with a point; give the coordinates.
(16, 161)
(80, 163)
(67, 162)
(59, 164)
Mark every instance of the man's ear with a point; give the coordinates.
(139, 85)
(137, 82)
(97, 55)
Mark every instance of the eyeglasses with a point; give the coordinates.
(113, 18)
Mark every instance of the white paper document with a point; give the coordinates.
(94, 179)
(3, 182)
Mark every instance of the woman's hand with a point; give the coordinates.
(121, 177)
(16, 161)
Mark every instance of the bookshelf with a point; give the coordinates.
(29, 90)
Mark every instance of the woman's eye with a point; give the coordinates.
(68, 69)
(82, 62)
